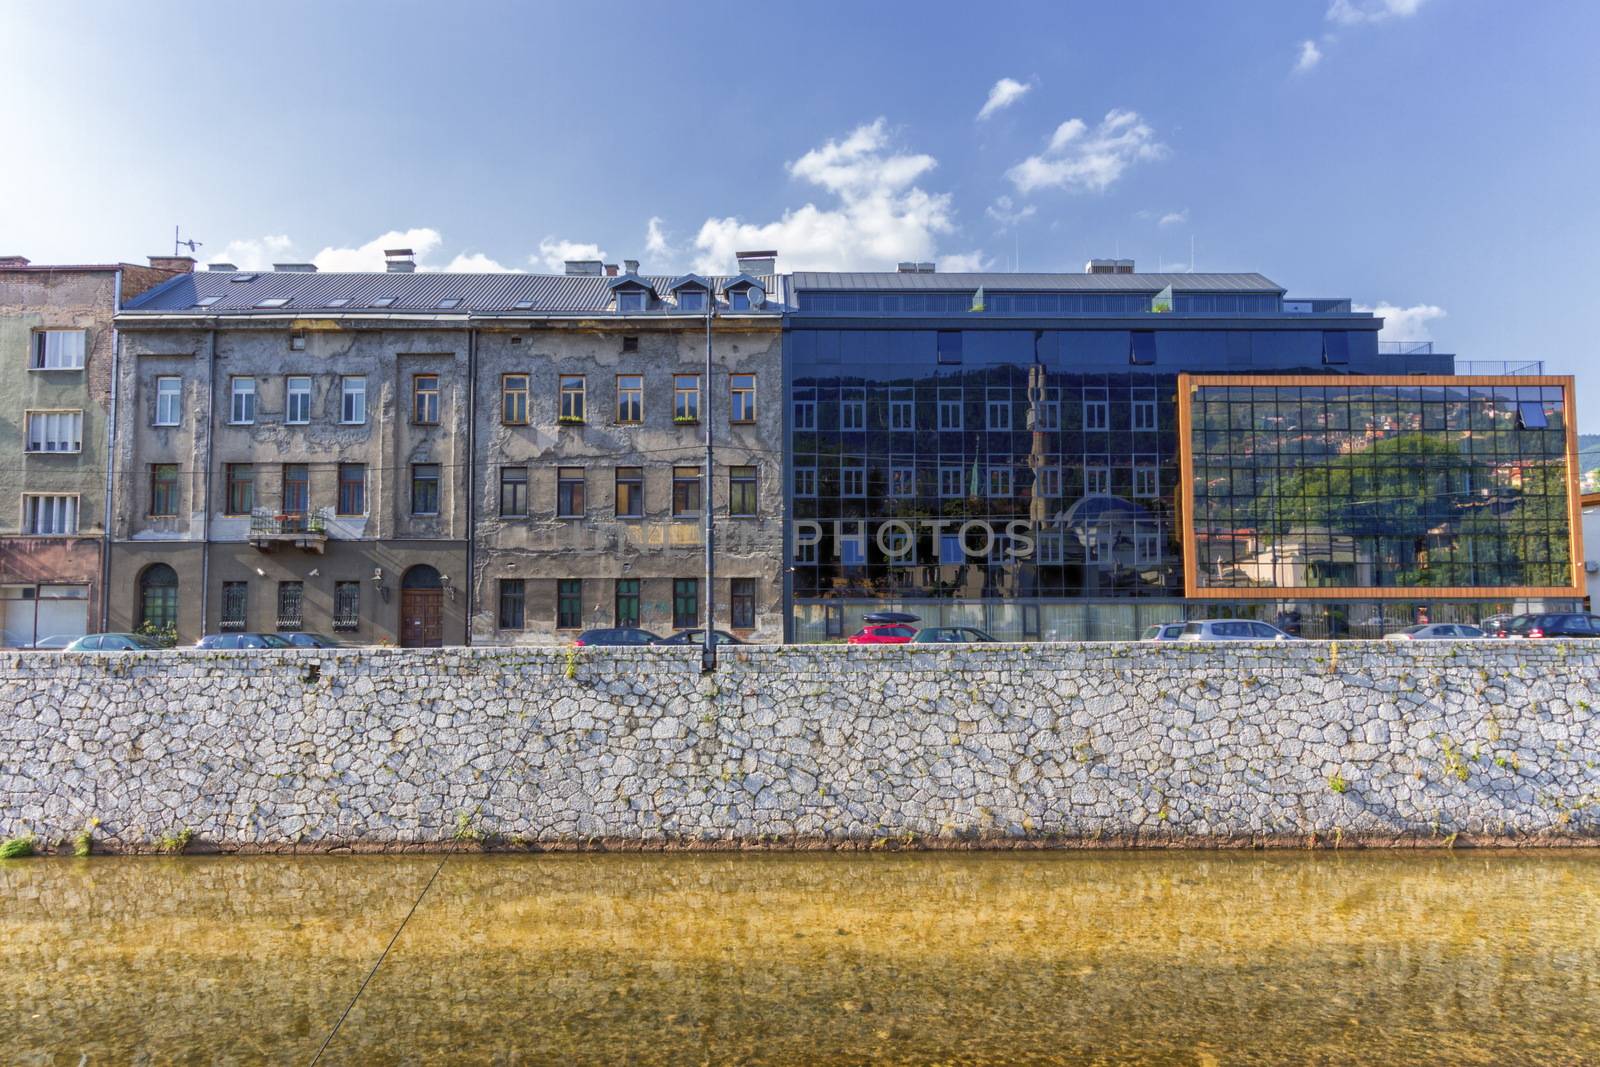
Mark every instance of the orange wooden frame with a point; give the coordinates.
(1188, 383)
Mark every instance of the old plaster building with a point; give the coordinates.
(415, 457)
(57, 351)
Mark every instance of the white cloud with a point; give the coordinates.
(1358, 12)
(1310, 56)
(261, 253)
(881, 216)
(258, 253)
(655, 240)
(973, 262)
(1405, 324)
(1008, 214)
(554, 252)
(477, 263)
(1174, 218)
(423, 241)
(1006, 91)
(1083, 159)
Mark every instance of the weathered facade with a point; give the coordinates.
(595, 518)
(57, 345)
(405, 458)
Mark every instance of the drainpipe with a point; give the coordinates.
(111, 464)
(472, 477)
(205, 521)
(708, 650)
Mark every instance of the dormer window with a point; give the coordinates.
(739, 300)
(630, 300)
(744, 293)
(692, 300)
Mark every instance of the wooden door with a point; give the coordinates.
(421, 618)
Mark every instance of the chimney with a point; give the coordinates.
(630, 266)
(758, 262)
(13, 261)
(611, 270)
(585, 266)
(176, 264)
(229, 267)
(296, 268)
(400, 260)
(1108, 266)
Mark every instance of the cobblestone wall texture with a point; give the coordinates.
(808, 746)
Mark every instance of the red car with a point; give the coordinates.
(889, 633)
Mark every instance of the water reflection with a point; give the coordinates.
(1188, 958)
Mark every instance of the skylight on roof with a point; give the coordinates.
(382, 302)
(243, 278)
(449, 302)
(207, 301)
(339, 302)
(523, 305)
(273, 302)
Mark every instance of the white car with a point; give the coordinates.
(1233, 630)
(1436, 631)
(1165, 631)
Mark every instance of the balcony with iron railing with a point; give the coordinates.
(1495, 367)
(298, 529)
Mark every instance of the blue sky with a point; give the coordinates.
(1433, 156)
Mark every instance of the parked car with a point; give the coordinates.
(698, 637)
(1232, 630)
(1436, 631)
(614, 636)
(884, 633)
(53, 643)
(950, 635)
(304, 640)
(113, 643)
(230, 641)
(1164, 631)
(1495, 625)
(1574, 624)
(891, 616)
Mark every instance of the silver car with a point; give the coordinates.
(1436, 631)
(1233, 630)
(1165, 631)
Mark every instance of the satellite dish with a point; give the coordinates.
(757, 296)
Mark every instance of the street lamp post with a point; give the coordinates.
(708, 651)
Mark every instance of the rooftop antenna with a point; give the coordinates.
(191, 245)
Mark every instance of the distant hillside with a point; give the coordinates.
(1588, 451)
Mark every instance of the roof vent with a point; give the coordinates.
(1108, 266)
(14, 261)
(400, 260)
(611, 270)
(764, 261)
(915, 268)
(227, 267)
(630, 266)
(584, 266)
(178, 264)
(296, 268)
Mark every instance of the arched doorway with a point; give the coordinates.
(158, 597)
(421, 608)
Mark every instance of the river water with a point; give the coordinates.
(953, 958)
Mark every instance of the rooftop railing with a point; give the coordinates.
(1500, 366)
(1405, 348)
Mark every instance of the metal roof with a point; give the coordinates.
(1005, 283)
(418, 292)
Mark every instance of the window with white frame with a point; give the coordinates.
(901, 546)
(901, 413)
(1049, 484)
(902, 480)
(1096, 412)
(950, 412)
(1000, 481)
(853, 479)
(1047, 546)
(1099, 545)
(1096, 480)
(1144, 409)
(999, 412)
(55, 431)
(297, 400)
(59, 349)
(50, 513)
(1147, 543)
(805, 551)
(805, 481)
(242, 406)
(852, 414)
(805, 414)
(1047, 416)
(1145, 482)
(353, 399)
(169, 400)
(949, 482)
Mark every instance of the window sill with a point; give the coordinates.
(571, 516)
(342, 422)
(53, 452)
(55, 370)
(571, 422)
(685, 422)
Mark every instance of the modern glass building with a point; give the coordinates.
(1082, 455)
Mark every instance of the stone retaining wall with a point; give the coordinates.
(808, 746)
